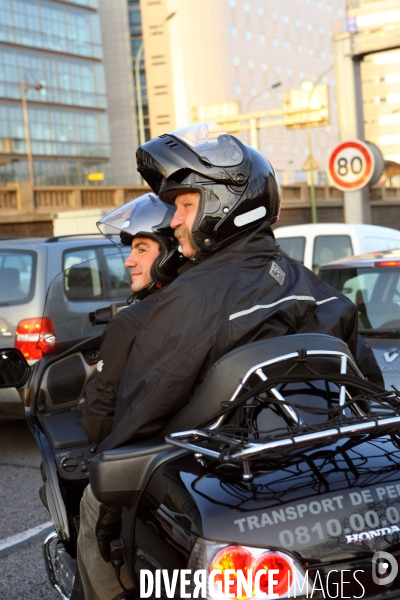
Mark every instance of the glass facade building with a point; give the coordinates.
(57, 45)
(135, 26)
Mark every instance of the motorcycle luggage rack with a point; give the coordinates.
(225, 446)
(220, 447)
(345, 362)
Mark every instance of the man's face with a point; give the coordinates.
(186, 209)
(144, 253)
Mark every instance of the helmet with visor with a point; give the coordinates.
(237, 185)
(148, 217)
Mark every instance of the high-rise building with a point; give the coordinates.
(249, 52)
(51, 52)
(377, 21)
(138, 68)
(121, 102)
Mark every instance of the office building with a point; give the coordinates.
(121, 102)
(138, 68)
(51, 52)
(378, 21)
(206, 52)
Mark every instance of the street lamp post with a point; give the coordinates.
(138, 58)
(253, 122)
(25, 87)
(273, 86)
(310, 157)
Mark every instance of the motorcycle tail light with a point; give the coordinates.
(283, 576)
(290, 581)
(232, 558)
(35, 337)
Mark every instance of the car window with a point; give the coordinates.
(126, 250)
(293, 247)
(118, 275)
(330, 247)
(375, 292)
(82, 278)
(17, 276)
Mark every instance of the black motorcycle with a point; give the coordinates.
(279, 479)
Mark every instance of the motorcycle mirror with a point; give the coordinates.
(13, 368)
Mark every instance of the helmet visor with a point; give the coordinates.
(144, 215)
(211, 143)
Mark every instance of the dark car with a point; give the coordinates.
(372, 282)
(29, 265)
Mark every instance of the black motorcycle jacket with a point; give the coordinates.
(245, 292)
(98, 407)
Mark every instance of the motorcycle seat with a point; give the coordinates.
(118, 476)
(225, 376)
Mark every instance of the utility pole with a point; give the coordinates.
(309, 144)
(25, 87)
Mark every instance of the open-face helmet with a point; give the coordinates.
(237, 184)
(146, 216)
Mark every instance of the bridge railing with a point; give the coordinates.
(21, 203)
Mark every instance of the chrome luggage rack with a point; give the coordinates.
(225, 448)
(232, 444)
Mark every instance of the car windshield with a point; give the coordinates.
(17, 276)
(374, 290)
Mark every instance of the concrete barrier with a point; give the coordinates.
(29, 211)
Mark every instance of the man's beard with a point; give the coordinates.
(182, 232)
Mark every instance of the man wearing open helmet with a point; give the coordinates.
(241, 289)
(152, 263)
(141, 224)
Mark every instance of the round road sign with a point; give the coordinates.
(351, 165)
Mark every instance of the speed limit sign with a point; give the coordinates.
(351, 165)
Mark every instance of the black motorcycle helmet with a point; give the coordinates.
(237, 185)
(146, 216)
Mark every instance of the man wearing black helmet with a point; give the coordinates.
(241, 289)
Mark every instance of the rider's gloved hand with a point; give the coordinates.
(108, 528)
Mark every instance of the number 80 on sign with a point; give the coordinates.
(351, 165)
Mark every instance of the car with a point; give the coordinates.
(314, 244)
(372, 282)
(29, 265)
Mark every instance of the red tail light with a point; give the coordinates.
(233, 558)
(284, 578)
(35, 337)
(387, 263)
(237, 558)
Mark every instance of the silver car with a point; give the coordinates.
(372, 282)
(28, 266)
